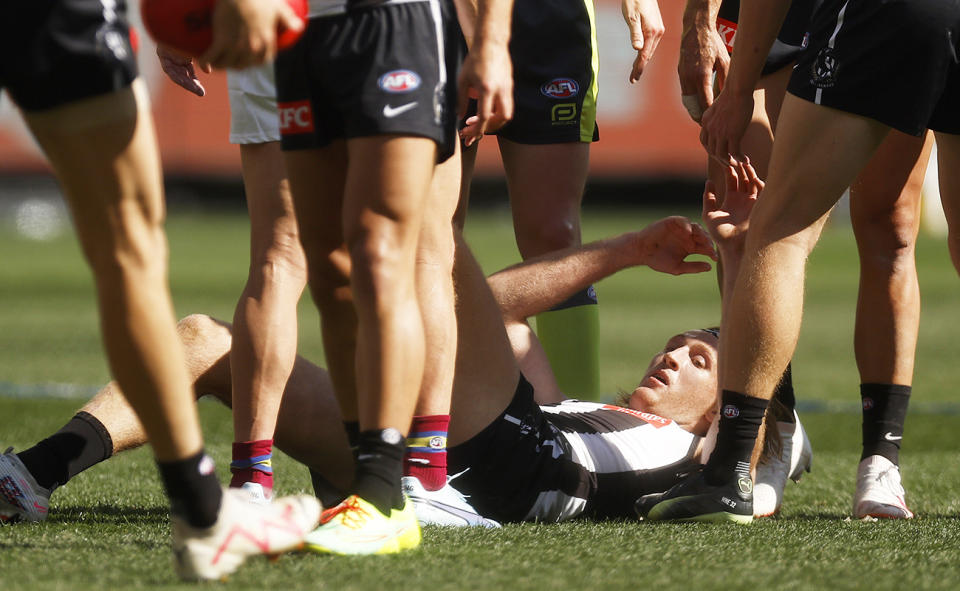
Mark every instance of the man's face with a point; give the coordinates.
(681, 381)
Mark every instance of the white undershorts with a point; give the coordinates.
(253, 105)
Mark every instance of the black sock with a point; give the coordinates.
(193, 489)
(379, 468)
(740, 420)
(353, 435)
(884, 412)
(328, 494)
(785, 395)
(81, 443)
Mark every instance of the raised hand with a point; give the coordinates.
(729, 221)
(664, 245)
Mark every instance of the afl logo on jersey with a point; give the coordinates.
(399, 81)
(731, 412)
(560, 88)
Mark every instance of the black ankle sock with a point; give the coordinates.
(193, 489)
(884, 412)
(379, 468)
(785, 395)
(740, 420)
(81, 443)
(353, 435)
(328, 494)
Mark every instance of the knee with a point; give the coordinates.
(536, 237)
(886, 239)
(131, 241)
(281, 262)
(329, 277)
(377, 258)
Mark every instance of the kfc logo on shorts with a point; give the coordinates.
(295, 117)
(731, 412)
(399, 81)
(823, 72)
(728, 32)
(560, 88)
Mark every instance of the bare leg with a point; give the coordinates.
(816, 155)
(948, 154)
(319, 175)
(387, 184)
(435, 253)
(265, 323)
(885, 211)
(546, 184)
(104, 151)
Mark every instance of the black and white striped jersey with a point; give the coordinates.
(571, 459)
(620, 455)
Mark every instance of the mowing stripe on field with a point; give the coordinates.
(67, 391)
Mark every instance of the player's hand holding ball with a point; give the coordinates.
(226, 33)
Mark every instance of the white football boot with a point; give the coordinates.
(446, 506)
(243, 529)
(796, 456)
(879, 491)
(258, 494)
(21, 498)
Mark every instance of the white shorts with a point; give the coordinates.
(253, 105)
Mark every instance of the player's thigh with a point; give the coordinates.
(885, 198)
(546, 188)
(388, 180)
(317, 177)
(436, 234)
(105, 153)
(816, 156)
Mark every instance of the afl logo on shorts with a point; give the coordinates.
(823, 72)
(867, 403)
(731, 412)
(399, 81)
(560, 88)
(437, 442)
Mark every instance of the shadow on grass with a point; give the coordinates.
(109, 515)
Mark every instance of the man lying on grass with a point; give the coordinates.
(525, 451)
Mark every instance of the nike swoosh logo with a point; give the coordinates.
(891, 437)
(391, 112)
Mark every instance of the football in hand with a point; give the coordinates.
(187, 25)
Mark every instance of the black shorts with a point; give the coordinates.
(554, 50)
(894, 61)
(58, 52)
(510, 462)
(376, 70)
(790, 41)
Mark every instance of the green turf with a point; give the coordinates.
(108, 528)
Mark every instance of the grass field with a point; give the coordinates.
(108, 528)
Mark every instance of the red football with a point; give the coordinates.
(185, 25)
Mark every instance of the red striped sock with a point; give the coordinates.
(426, 455)
(251, 463)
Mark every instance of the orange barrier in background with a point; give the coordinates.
(644, 130)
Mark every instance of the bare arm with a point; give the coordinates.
(702, 52)
(725, 122)
(487, 73)
(538, 284)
